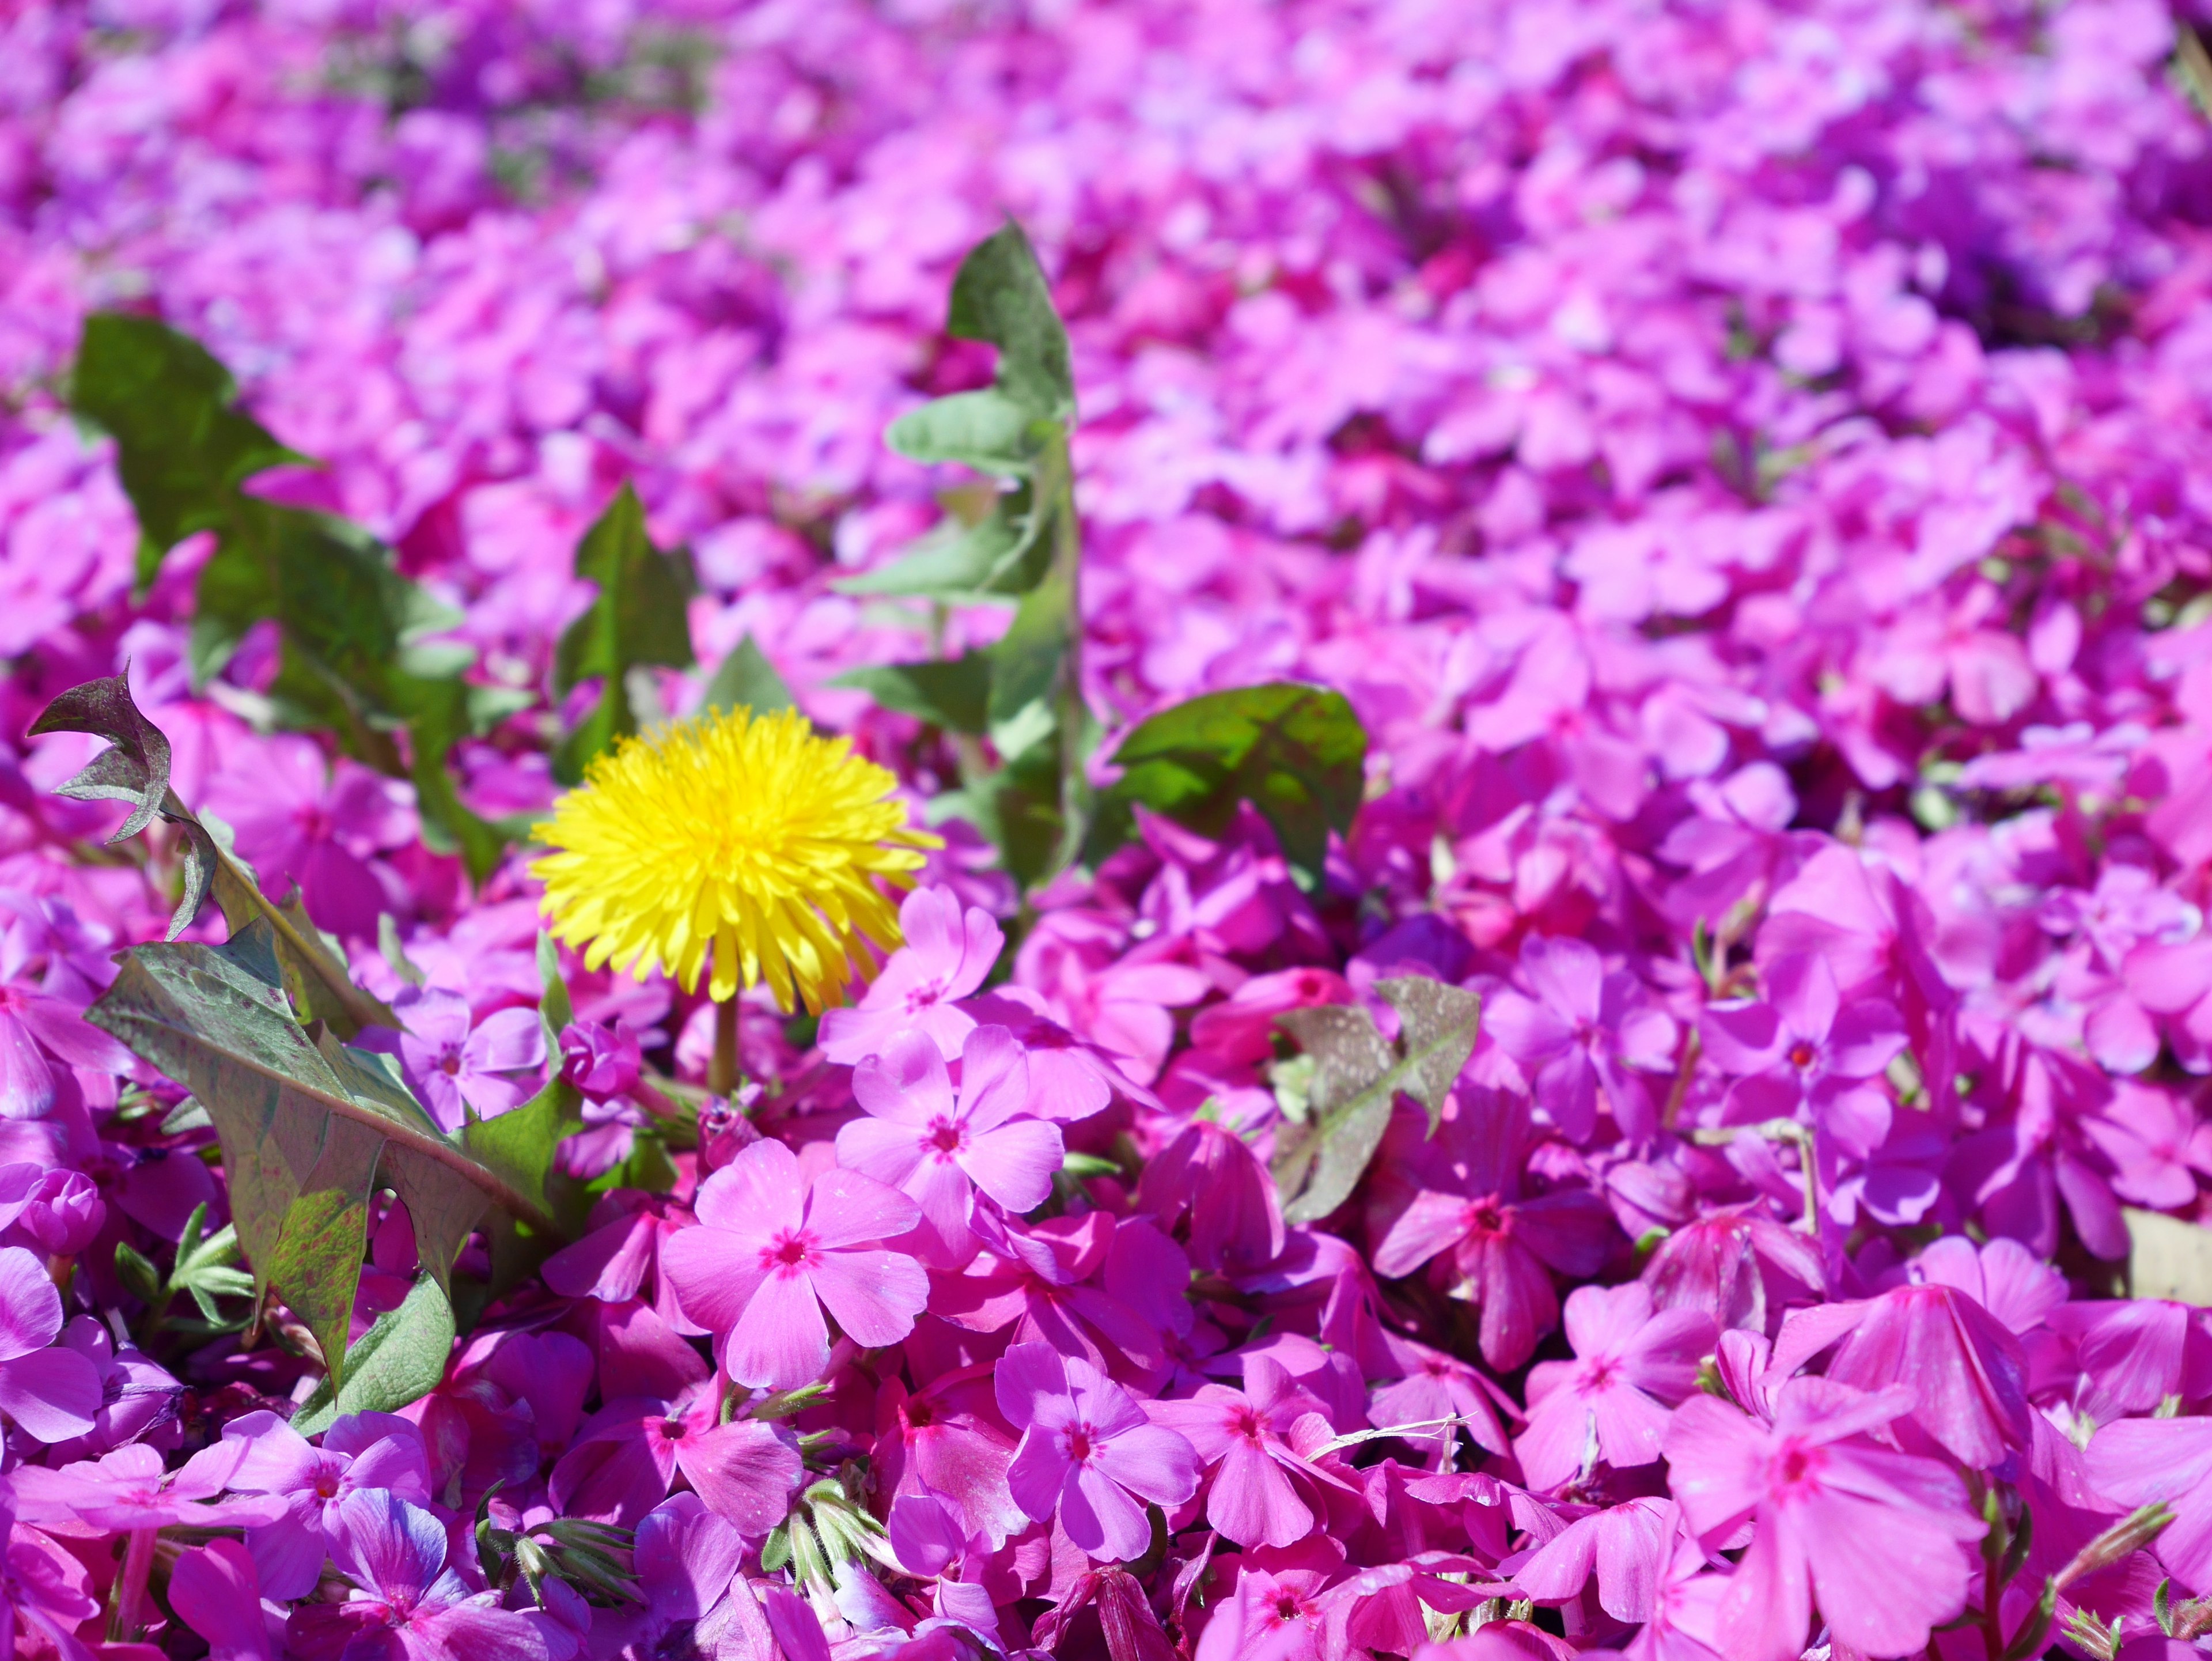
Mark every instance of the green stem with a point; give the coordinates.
(1059, 471)
(722, 1074)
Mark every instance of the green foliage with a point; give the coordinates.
(638, 619)
(1296, 754)
(204, 1268)
(400, 1359)
(356, 654)
(1356, 1081)
(745, 679)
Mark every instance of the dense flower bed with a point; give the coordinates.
(1746, 468)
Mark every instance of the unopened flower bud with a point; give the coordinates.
(2130, 1535)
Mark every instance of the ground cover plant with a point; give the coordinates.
(1252, 832)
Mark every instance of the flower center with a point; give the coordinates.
(1796, 1469)
(946, 1136)
(451, 1066)
(1485, 1215)
(791, 1249)
(673, 1429)
(1802, 1055)
(1245, 1422)
(1078, 1444)
(925, 996)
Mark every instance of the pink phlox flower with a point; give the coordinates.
(2016, 1287)
(1879, 1539)
(1683, 1624)
(296, 816)
(601, 1060)
(1088, 1454)
(947, 1439)
(947, 954)
(215, 1590)
(1259, 1445)
(1292, 1603)
(1113, 1601)
(620, 1258)
(1874, 1157)
(1070, 1078)
(1209, 1186)
(2127, 908)
(59, 1212)
(1628, 1547)
(51, 1391)
(626, 1454)
(1632, 1365)
(1243, 1027)
(693, 1597)
(1736, 1264)
(2132, 1355)
(129, 1489)
(772, 1251)
(2033, 1158)
(461, 1068)
(478, 1433)
(1124, 1004)
(1433, 1387)
(45, 1595)
(2140, 1462)
(42, 1024)
(2158, 1145)
(938, 1150)
(1803, 1044)
(1041, 1280)
(408, 1604)
(138, 1399)
(1578, 1029)
(361, 1451)
(2075, 754)
(1460, 1192)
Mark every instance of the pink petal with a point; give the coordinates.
(51, 1393)
(994, 1078)
(1253, 1502)
(907, 1082)
(1015, 1163)
(1151, 1461)
(886, 1149)
(876, 1295)
(781, 1340)
(714, 1272)
(744, 1471)
(755, 1193)
(1102, 1519)
(844, 1209)
(30, 1307)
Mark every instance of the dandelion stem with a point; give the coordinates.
(722, 1071)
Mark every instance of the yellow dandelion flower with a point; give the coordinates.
(752, 838)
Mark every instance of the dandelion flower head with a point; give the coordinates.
(750, 838)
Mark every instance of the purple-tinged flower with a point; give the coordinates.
(1737, 1265)
(51, 1391)
(1801, 1044)
(408, 1605)
(1257, 1442)
(215, 1592)
(1584, 1028)
(42, 1026)
(1088, 1454)
(463, 1068)
(614, 1262)
(1612, 1401)
(602, 1061)
(772, 1250)
(359, 1452)
(946, 955)
(630, 1452)
(918, 1139)
(1627, 1546)
(1436, 1388)
(59, 1211)
(129, 1489)
(45, 1593)
(1879, 1539)
(1211, 1176)
(137, 1398)
(691, 1597)
(2141, 1462)
(296, 816)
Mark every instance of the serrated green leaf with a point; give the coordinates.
(304, 1142)
(1296, 754)
(638, 618)
(954, 693)
(745, 679)
(1000, 295)
(400, 1360)
(1356, 1082)
(135, 768)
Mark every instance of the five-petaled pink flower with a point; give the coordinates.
(1802, 1043)
(1088, 1453)
(1879, 1539)
(1584, 1028)
(1613, 1401)
(945, 957)
(1257, 1440)
(922, 1140)
(774, 1250)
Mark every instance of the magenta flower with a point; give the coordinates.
(1803, 1044)
(1088, 1454)
(59, 1211)
(772, 1250)
(51, 1391)
(42, 1026)
(626, 1454)
(460, 1068)
(946, 955)
(617, 1260)
(408, 1604)
(1969, 1378)
(137, 1398)
(215, 1592)
(359, 1452)
(298, 817)
(2139, 1461)
(600, 1061)
(1736, 1265)
(1583, 1029)
(1880, 1540)
(1628, 1547)
(1459, 1192)
(1211, 1176)
(45, 1593)
(938, 1151)
(1613, 1401)
(1255, 1441)
(691, 1597)
(129, 1489)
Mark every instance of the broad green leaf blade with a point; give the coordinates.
(1356, 1081)
(985, 429)
(443, 1206)
(638, 618)
(316, 1266)
(1006, 554)
(1000, 294)
(517, 1147)
(399, 1360)
(1025, 661)
(182, 449)
(954, 693)
(745, 679)
(1296, 754)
